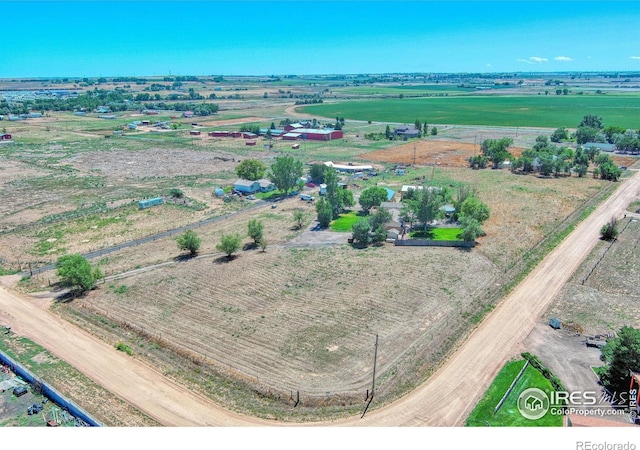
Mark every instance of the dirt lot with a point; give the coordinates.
(428, 152)
(306, 311)
(603, 296)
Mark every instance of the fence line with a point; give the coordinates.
(515, 380)
(432, 243)
(48, 391)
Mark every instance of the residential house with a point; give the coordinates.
(246, 186)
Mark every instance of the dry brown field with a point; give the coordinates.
(427, 152)
(305, 319)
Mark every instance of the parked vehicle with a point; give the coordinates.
(307, 197)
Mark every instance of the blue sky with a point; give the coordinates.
(100, 38)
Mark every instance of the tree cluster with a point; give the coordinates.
(371, 229)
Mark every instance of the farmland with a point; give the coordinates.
(252, 331)
(511, 111)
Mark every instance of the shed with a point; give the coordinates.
(250, 143)
(194, 133)
(143, 204)
(555, 323)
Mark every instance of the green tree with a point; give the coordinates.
(176, 193)
(621, 355)
(371, 197)
(76, 272)
(255, 230)
(345, 197)
(263, 244)
(592, 121)
(473, 208)
(379, 218)
(434, 131)
(611, 131)
(496, 150)
(429, 202)
(251, 169)
(229, 244)
(325, 213)
(337, 197)
(379, 235)
(471, 229)
(299, 216)
(586, 134)
(609, 230)
(316, 172)
(387, 132)
(285, 172)
(360, 232)
(189, 240)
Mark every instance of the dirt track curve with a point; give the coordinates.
(445, 399)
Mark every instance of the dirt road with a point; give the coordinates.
(444, 400)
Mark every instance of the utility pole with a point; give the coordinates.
(373, 383)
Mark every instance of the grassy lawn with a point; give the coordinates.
(508, 415)
(345, 221)
(438, 234)
(519, 111)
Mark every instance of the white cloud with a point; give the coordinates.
(533, 60)
(562, 58)
(634, 57)
(489, 65)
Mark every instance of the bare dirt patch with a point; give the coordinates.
(427, 152)
(154, 162)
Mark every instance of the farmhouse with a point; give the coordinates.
(246, 186)
(406, 132)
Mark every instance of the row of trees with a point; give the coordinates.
(592, 129)
(546, 158)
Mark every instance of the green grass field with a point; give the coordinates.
(438, 234)
(345, 222)
(508, 415)
(550, 111)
